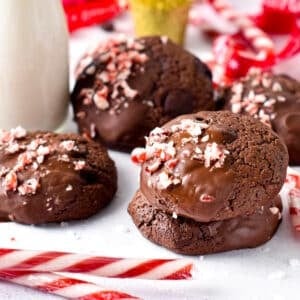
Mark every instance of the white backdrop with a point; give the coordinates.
(268, 272)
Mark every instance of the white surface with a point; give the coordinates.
(268, 272)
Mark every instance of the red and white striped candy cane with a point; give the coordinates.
(293, 178)
(260, 41)
(63, 286)
(294, 205)
(293, 182)
(41, 261)
(232, 56)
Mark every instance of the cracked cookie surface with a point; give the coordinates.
(186, 236)
(271, 98)
(212, 166)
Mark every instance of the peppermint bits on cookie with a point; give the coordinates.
(209, 183)
(166, 147)
(30, 157)
(271, 98)
(126, 87)
(198, 166)
(47, 177)
(118, 59)
(250, 96)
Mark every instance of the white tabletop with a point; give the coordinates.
(271, 271)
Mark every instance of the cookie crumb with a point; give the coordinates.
(274, 210)
(64, 224)
(69, 188)
(79, 165)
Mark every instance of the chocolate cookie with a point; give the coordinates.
(186, 236)
(127, 87)
(212, 166)
(47, 177)
(273, 99)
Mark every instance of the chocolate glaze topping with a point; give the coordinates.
(47, 177)
(212, 166)
(127, 87)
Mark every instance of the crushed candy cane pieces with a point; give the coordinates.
(119, 56)
(79, 165)
(160, 153)
(29, 187)
(29, 155)
(214, 155)
(11, 181)
(255, 102)
(206, 198)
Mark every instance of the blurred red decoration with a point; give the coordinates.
(250, 46)
(83, 13)
(279, 17)
(234, 54)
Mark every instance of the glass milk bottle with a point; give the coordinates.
(34, 67)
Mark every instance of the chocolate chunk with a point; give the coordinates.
(126, 87)
(179, 102)
(222, 134)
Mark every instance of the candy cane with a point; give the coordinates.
(63, 286)
(293, 178)
(257, 38)
(294, 205)
(233, 58)
(293, 184)
(41, 261)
